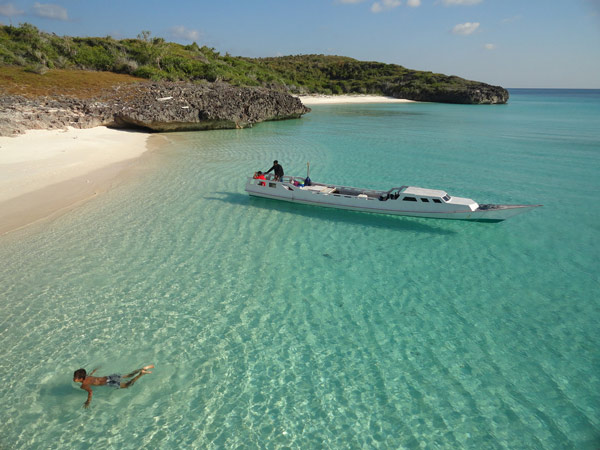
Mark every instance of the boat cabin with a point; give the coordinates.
(422, 195)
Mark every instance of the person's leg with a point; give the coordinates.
(135, 372)
(142, 371)
(129, 375)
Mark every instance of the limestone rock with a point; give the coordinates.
(186, 106)
(161, 106)
(469, 93)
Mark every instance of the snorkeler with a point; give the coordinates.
(115, 380)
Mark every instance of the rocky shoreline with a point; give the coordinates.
(470, 94)
(155, 107)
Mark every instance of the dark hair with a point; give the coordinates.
(79, 374)
(259, 172)
(275, 162)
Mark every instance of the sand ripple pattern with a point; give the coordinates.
(286, 326)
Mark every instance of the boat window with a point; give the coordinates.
(272, 185)
(437, 200)
(425, 200)
(409, 199)
(446, 198)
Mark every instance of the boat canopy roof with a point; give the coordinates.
(424, 192)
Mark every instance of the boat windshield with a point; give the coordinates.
(446, 198)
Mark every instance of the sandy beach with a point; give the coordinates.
(345, 99)
(46, 171)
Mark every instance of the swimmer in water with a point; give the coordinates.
(115, 380)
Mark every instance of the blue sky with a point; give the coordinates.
(525, 43)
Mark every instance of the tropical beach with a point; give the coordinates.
(130, 242)
(44, 172)
(349, 99)
(295, 325)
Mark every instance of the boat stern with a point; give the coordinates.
(269, 188)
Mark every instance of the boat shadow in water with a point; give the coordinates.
(399, 223)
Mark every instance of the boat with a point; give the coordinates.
(401, 201)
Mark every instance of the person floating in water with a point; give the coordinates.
(115, 380)
(278, 170)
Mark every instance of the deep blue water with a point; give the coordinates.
(280, 325)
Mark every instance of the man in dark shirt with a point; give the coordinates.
(278, 170)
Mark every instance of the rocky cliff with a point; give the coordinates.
(186, 106)
(164, 106)
(466, 92)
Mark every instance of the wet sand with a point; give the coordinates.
(44, 172)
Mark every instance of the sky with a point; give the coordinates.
(511, 43)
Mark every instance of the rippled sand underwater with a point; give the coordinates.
(281, 325)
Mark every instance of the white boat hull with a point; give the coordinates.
(333, 196)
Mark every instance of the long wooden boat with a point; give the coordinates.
(403, 201)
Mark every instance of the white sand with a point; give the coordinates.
(45, 171)
(343, 99)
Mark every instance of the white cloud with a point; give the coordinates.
(181, 32)
(461, 2)
(413, 3)
(512, 19)
(9, 10)
(490, 46)
(466, 28)
(385, 5)
(50, 11)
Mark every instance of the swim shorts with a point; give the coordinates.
(114, 380)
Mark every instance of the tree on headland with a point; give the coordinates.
(154, 58)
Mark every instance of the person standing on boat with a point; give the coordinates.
(278, 170)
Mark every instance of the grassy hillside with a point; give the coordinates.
(71, 83)
(153, 58)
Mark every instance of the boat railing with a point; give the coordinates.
(341, 190)
(284, 179)
(392, 194)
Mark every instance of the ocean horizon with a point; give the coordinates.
(279, 325)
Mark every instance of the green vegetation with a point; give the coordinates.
(155, 59)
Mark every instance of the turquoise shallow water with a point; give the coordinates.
(275, 325)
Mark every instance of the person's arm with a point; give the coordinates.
(269, 169)
(89, 397)
(92, 372)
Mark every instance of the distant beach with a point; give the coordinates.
(345, 99)
(46, 171)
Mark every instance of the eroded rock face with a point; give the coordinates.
(152, 106)
(186, 106)
(19, 114)
(472, 94)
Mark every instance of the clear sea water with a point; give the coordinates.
(274, 325)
